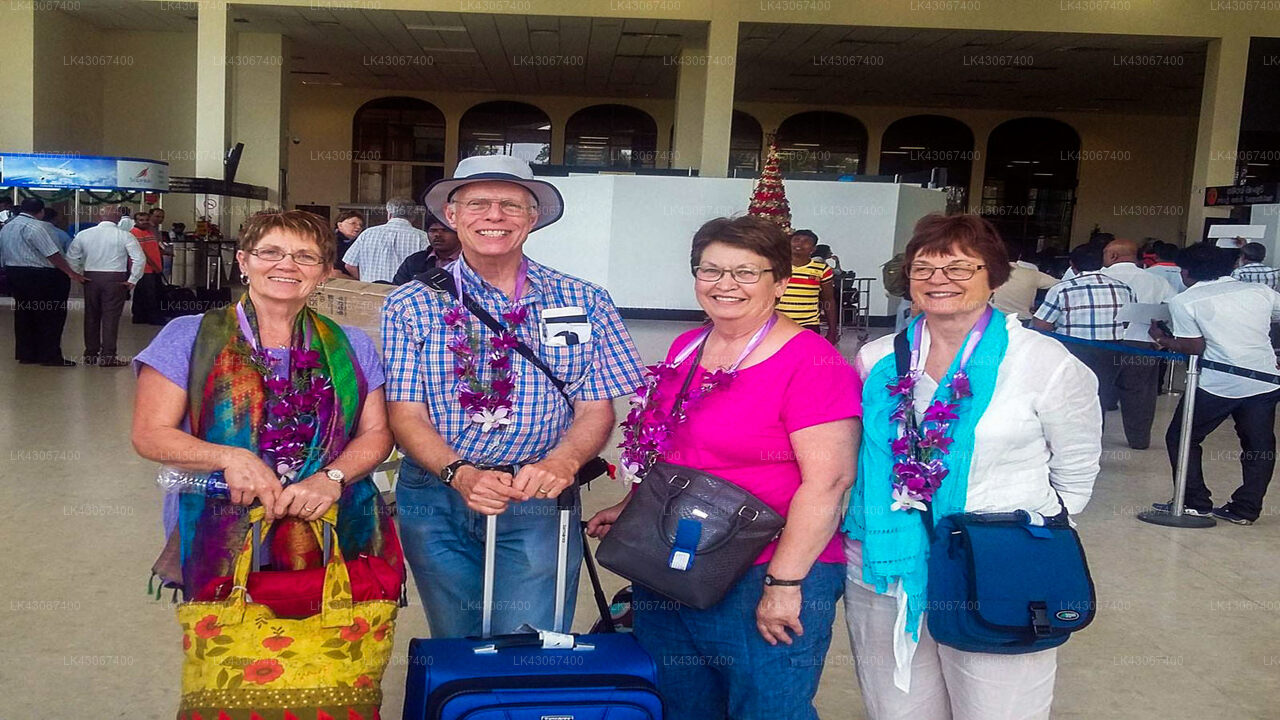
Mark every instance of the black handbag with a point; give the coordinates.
(681, 516)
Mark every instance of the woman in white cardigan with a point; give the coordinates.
(1028, 436)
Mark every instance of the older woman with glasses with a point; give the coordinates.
(266, 401)
(777, 414)
(1026, 434)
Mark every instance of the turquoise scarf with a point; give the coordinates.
(895, 544)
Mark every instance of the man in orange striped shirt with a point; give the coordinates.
(811, 287)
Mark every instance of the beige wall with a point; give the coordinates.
(321, 118)
(149, 106)
(1134, 172)
(17, 77)
(68, 85)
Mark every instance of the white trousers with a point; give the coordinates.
(946, 684)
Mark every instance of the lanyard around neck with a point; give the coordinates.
(970, 342)
(752, 344)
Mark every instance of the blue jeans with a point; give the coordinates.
(444, 545)
(713, 664)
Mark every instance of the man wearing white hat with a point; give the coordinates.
(484, 430)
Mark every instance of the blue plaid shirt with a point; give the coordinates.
(420, 367)
(1258, 273)
(1086, 306)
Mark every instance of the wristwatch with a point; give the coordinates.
(446, 475)
(335, 475)
(770, 580)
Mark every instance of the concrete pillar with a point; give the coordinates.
(717, 113)
(691, 95)
(558, 121)
(1218, 135)
(871, 164)
(978, 168)
(17, 77)
(452, 139)
(213, 47)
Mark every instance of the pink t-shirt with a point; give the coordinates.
(742, 432)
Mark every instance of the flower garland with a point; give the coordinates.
(294, 406)
(487, 404)
(647, 429)
(918, 449)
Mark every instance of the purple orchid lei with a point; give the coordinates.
(294, 407)
(487, 404)
(647, 429)
(918, 450)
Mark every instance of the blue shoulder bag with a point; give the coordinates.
(1006, 583)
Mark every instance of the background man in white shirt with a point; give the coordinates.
(112, 262)
(379, 251)
(1018, 294)
(1166, 267)
(1137, 380)
(1226, 321)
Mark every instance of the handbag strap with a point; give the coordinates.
(337, 602)
(439, 279)
(681, 396)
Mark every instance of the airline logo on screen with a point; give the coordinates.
(142, 175)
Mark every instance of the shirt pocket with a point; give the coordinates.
(569, 363)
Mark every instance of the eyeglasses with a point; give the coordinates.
(274, 254)
(511, 208)
(952, 272)
(745, 275)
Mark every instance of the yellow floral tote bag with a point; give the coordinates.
(241, 662)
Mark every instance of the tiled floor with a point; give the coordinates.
(1188, 626)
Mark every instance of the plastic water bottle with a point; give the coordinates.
(179, 480)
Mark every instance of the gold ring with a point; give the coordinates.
(542, 492)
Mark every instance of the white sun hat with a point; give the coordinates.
(505, 168)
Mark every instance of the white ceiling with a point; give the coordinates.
(621, 57)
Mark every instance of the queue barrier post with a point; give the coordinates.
(1176, 517)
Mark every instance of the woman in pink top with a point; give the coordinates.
(786, 429)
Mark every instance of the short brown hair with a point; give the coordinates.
(299, 222)
(347, 215)
(762, 237)
(938, 234)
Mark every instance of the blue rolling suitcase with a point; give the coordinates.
(535, 675)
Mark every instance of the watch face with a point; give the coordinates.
(334, 474)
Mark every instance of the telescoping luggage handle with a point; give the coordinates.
(557, 637)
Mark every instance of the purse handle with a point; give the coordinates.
(337, 602)
(734, 526)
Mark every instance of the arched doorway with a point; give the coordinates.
(1029, 187)
(399, 149)
(611, 136)
(920, 143)
(822, 142)
(746, 137)
(505, 127)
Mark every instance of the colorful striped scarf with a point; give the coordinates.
(226, 406)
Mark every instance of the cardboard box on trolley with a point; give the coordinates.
(351, 302)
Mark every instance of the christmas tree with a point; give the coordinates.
(769, 197)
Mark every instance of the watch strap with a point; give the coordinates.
(446, 474)
(771, 580)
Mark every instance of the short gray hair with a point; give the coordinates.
(400, 207)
